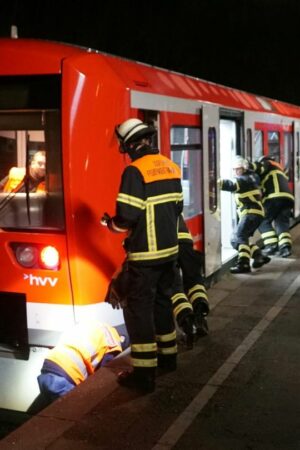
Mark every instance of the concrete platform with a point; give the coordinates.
(239, 388)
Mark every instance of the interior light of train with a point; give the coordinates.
(49, 257)
(27, 255)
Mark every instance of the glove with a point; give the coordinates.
(117, 290)
(105, 219)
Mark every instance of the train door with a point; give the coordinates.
(230, 132)
(297, 168)
(212, 225)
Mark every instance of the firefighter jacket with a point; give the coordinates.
(80, 351)
(15, 182)
(183, 231)
(247, 194)
(274, 182)
(149, 203)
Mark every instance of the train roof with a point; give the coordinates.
(33, 56)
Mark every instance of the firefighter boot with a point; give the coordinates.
(241, 267)
(187, 326)
(285, 251)
(259, 260)
(167, 363)
(269, 249)
(201, 311)
(140, 379)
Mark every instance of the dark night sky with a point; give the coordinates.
(248, 44)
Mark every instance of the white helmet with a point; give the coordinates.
(240, 163)
(132, 130)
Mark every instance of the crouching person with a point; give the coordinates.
(78, 354)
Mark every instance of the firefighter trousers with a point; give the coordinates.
(148, 313)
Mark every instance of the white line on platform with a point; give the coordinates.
(177, 429)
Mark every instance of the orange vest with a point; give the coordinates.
(80, 351)
(15, 179)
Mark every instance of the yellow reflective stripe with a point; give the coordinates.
(249, 193)
(269, 241)
(244, 247)
(258, 212)
(185, 236)
(285, 240)
(244, 255)
(167, 350)
(150, 347)
(158, 254)
(253, 249)
(151, 233)
(144, 362)
(164, 198)
(285, 234)
(198, 295)
(268, 234)
(279, 194)
(131, 200)
(197, 287)
(179, 296)
(166, 337)
(181, 307)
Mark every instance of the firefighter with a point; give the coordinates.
(190, 302)
(148, 205)
(250, 215)
(79, 353)
(17, 178)
(278, 202)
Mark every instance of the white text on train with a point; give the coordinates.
(40, 281)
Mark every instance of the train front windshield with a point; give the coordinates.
(31, 193)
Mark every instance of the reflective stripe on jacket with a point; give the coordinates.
(80, 351)
(274, 182)
(149, 203)
(247, 194)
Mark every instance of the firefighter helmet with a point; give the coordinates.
(240, 163)
(132, 130)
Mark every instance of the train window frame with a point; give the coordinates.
(273, 139)
(212, 169)
(30, 120)
(258, 144)
(187, 139)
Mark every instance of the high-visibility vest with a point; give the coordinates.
(80, 351)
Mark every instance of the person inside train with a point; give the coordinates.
(80, 351)
(18, 180)
(250, 215)
(148, 205)
(278, 202)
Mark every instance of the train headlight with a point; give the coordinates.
(49, 257)
(27, 255)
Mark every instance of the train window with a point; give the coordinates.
(31, 194)
(212, 169)
(273, 145)
(288, 155)
(186, 151)
(258, 144)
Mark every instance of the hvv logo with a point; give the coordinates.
(40, 281)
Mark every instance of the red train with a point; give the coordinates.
(67, 100)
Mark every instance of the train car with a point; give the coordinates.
(67, 100)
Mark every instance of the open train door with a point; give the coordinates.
(212, 222)
(296, 170)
